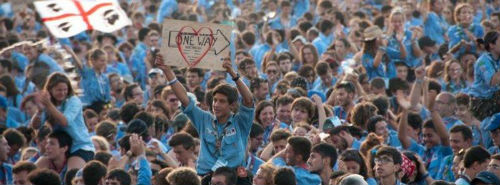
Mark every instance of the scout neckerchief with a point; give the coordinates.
(219, 137)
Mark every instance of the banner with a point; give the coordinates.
(66, 18)
(192, 44)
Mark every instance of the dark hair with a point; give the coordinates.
(6, 63)
(435, 85)
(372, 122)
(56, 78)
(227, 90)
(9, 83)
(414, 120)
(120, 175)
(147, 117)
(245, 62)
(355, 155)
(398, 84)
(14, 137)
(256, 83)
(259, 108)
(490, 38)
(143, 32)
(429, 124)
(390, 151)
(475, 154)
(301, 146)
(280, 134)
(256, 130)
(124, 143)
(322, 68)
(44, 177)
(284, 176)
(63, 139)
(419, 177)
(70, 174)
(128, 91)
(103, 157)
(462, 99)
(23, 166)
(248, 37)
(283, 100)
(347, 86)
(93, 172)
(137, 126)
(128, 111)
(228, 173)
(382, 104)
(326, 150)
(325, 25)
(182, 138)
(464, 130)
(361, 113)
(43, 132)
(105, 129)
(95, 54)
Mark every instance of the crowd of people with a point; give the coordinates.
(330, 92)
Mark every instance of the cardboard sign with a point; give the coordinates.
(19, 5)
(192, 44)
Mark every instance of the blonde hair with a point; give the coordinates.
(459, 8)
(26, 153)
(102, 142)
(268, 169)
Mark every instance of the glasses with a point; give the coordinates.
(383, 160)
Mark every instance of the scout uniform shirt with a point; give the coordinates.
(220, 144)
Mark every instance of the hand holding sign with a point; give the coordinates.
(191, 44)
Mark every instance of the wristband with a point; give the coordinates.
(172, 82)
(236, 78)
(425, 176)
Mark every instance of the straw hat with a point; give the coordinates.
(371, 33)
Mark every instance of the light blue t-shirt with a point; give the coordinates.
(233, 137)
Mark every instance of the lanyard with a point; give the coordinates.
(55, 167)
(219, 137)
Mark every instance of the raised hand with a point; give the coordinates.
(136, 145)
(316, 99)
(402, 101)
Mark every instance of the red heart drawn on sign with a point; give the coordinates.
(193, 60)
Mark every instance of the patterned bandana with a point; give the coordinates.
(408, 166)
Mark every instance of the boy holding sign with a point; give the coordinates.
(224, 135)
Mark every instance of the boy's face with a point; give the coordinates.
(402, 72)
(279, 145)
(53, 149)
(221, 106)
(430, 137)
(385, 167)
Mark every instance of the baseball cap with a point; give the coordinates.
(494, 122)
(486, 177)
(154, 72)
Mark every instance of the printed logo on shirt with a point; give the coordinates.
(230, 132)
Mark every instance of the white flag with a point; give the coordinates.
(66, 18)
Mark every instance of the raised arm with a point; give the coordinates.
(439, 125)
(416, 91)
(321, 111)
(417, 33)
(242, 88)
(403, 121)
(77, 62)
(178, 89)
